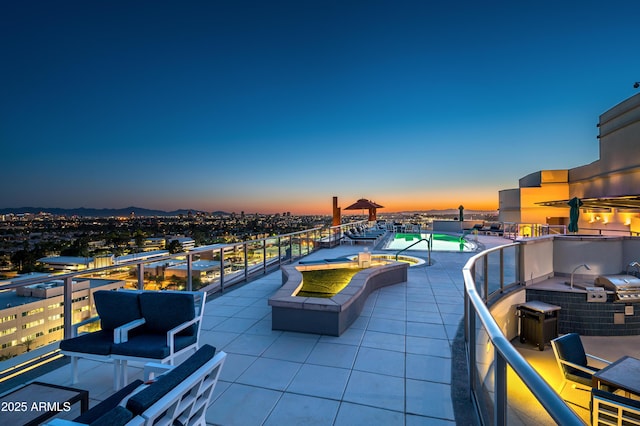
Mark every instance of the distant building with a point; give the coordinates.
(609, 188)
(67, 263)
(150, 244)
(201, 269)
(33, 316)
(186, 243)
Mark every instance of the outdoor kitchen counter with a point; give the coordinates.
(605, 317)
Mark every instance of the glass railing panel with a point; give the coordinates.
(234, 263)
(285, 248)
(493, 271)
(484, 373)
(273, 250)
(296, 246)
(523, 407)
(255, 254)
(510, 265)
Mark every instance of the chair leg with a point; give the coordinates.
(116, 375)
(123, 370)
(564, 383)
(74, 370)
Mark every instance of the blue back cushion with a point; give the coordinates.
(570, 349)
(144, 399)
(116, 308)
(163, 311)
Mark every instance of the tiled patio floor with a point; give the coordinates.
(391, 367)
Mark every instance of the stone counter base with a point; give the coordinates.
(329, 316)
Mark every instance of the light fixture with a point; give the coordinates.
(584, 265)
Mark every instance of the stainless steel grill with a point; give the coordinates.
(627, 287)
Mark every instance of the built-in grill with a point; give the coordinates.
(627, 287)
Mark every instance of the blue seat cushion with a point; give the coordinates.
(98, 343)
(107, 411)
(163, 311)
(116, 308)
(144, 399)
(151, 346)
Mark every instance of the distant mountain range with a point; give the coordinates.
(85, 212)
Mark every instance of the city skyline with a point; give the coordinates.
(278, 106)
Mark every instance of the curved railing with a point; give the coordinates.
(498, 269)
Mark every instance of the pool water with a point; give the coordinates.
(441, 242)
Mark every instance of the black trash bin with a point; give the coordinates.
(538, 323)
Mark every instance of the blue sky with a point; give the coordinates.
(280, 105)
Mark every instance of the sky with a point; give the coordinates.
(275, 106)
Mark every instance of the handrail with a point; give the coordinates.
(506, 354)
(429, 244)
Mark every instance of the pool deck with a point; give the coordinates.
(398, 364)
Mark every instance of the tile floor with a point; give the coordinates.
(392, 366)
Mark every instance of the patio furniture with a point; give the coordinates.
(573, 361)
(139, 326)
(610, 409)
(180, 395)
(623, 374)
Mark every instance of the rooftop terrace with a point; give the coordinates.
(401, 363)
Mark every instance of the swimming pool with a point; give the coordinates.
(441, 242)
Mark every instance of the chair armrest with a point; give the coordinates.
(578, 367)
(153, 368)
(77, 325)
(604, 361)
(121, 334)
(175, 330)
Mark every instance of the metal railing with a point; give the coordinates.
(513, 230)
(487, 277)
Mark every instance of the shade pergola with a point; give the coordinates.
(364, 204)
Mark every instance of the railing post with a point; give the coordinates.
(264, 256)
(501, 270)
(221, 270)
(140, 276)
(470, 328)
(246, 261)
(189, 271)
(68, 308)
(500, 402)
(279, 253)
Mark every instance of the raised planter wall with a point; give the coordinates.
(329, 316)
